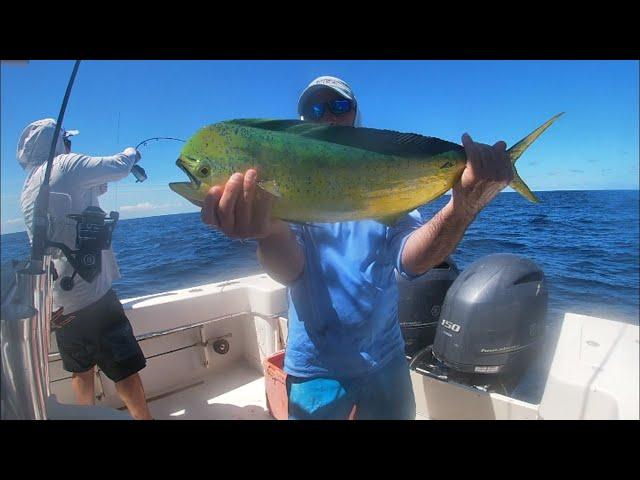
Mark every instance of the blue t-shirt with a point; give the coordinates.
(343, 309)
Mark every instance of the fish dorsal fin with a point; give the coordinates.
(267, 123)
(386, 142)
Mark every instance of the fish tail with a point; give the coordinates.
(517, 150)
(519, 186)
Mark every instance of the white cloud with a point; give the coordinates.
(146, 207)
(140, 207)
(13, 225)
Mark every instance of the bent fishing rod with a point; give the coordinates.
(40, 220)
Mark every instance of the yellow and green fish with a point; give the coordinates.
(322, 173)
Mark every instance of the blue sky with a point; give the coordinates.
(116, 104)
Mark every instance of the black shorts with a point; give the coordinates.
(100, 334)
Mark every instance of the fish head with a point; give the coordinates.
(199, 172)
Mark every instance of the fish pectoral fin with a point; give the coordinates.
(270, 186)
(391, 220)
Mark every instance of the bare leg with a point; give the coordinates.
(83, 387)
(132, 394)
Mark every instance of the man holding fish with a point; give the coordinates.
(345, 352)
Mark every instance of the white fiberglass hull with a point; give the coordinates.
(593, 375)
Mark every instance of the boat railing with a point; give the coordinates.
(204, 342)
(24, 339)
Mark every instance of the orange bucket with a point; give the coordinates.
(275, 380)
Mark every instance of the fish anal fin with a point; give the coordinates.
(391, 220)
(270, 186)
(301, 224)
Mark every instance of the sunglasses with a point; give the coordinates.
(337, 107)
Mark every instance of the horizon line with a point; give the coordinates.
(445, 194)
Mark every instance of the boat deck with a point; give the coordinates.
(235, 394)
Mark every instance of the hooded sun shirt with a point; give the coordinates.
(74, 185)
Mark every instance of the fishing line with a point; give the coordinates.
(137, 171)
(144, 142)
(118, 145)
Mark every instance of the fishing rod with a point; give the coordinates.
(41, 207)
(137, 171)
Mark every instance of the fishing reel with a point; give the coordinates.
(94, 232)
(138, 172)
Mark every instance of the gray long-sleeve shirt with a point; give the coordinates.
(74, 185)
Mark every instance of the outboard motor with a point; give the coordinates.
(493, 317)
(420, 302)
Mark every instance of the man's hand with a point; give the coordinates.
(241, 211)
(487, 172)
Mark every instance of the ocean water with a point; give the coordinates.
(586, 242)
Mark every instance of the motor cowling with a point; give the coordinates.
(420, 302)
(493, 316)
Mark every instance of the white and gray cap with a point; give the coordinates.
(334, 83)
(70, 133)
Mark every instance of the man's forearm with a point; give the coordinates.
(93, 171)
(281, 256)
(435, 240)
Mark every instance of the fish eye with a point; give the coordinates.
(204, 171)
